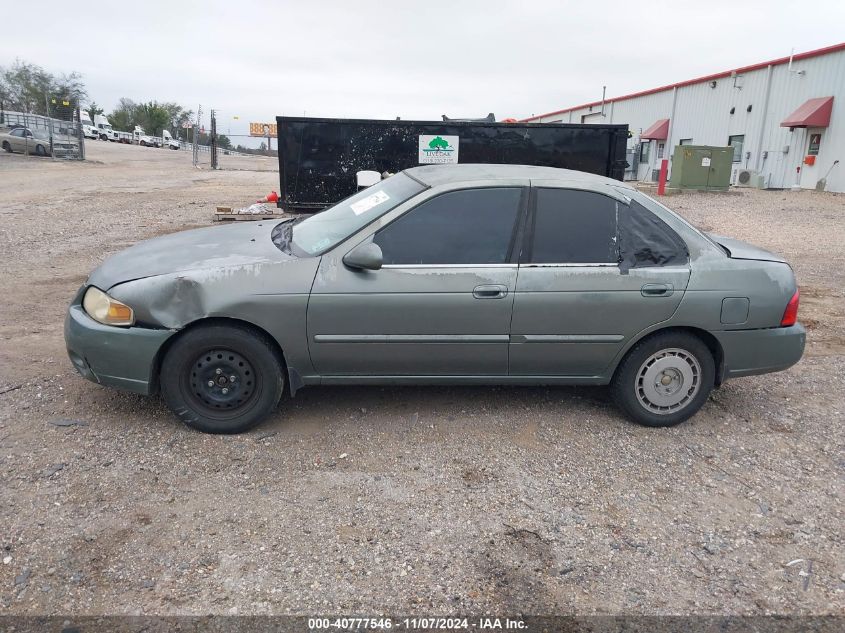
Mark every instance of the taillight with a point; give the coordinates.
(790, 315)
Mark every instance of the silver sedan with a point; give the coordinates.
(22, 139)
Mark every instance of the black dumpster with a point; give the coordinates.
(319, 158)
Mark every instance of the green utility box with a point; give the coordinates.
(701, 167)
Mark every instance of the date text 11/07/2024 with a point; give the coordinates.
(417, 623)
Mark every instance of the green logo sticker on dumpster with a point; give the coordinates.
(438, 150)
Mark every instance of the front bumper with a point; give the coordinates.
(750, 352)
(113, 356)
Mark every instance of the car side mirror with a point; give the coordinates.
(364, 257)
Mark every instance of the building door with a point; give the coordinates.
(811, 170)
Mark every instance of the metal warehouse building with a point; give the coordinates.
(785, 119)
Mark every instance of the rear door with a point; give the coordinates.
(594, 271)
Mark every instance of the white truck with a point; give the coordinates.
(165, 140)
(104, 129)
(88, 128)
(142, 138)
(168, 141)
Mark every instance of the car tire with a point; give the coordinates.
(218, 354)
(40, 151)
(664, 379)
(7, 147)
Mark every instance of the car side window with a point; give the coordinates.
(570, 226)
(16, 132)
(646, 241)
(471, 226)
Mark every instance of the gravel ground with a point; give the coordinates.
(402, 500)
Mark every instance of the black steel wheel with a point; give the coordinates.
(221, 378)
(39, 149)
(7, 147)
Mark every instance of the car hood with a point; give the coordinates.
(743, 250)
(234, 244)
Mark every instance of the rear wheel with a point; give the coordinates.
(222, 379)
(665, 379)
(7, 147)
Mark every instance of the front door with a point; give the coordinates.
(440, 305)
(594, 272)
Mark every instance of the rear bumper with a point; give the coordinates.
(113, 356)
(750, 352)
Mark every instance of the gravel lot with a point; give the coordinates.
(402, 500)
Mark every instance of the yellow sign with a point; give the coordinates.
(263, 129)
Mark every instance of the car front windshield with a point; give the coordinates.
(320, 232)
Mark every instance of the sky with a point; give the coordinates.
(414, 60)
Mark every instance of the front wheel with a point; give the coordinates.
(222, 379)
(665, 379)
(40, 151)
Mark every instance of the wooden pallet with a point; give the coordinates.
(224, 214)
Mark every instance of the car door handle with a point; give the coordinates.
(490, 291)
(657, 290)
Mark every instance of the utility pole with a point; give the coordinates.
(196, 129)
(213, 140)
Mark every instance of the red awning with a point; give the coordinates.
(814, 113)
(658, 131)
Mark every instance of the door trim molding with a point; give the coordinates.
(411, 338)
(566, 338)
(465, 266)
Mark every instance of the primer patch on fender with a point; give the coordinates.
(364, 205)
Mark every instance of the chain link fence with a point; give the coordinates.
(59, 134)
(224, 151)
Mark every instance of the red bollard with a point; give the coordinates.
(661, 183)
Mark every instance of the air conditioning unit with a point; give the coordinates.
(749, 178)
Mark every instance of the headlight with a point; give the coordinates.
(106, 310)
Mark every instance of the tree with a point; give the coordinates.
(123, 115)
(177, 114)
(27, 88)
(93, 110)
(204, 138)
(152, 116)
(69, 87)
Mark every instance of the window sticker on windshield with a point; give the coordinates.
(362, 206)
(321, 244)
